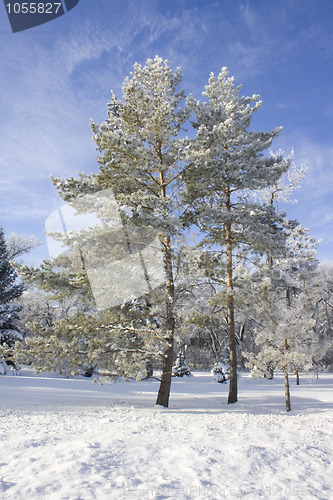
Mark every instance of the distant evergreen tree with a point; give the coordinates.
(180, 367)
(10, 290)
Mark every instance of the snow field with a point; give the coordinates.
(70, 440)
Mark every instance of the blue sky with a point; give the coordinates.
(57, 76)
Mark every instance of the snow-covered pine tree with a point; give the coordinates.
(227, 161)
(287, 294)
(10, 289)
(70, 336)
(180, 367)
(283, 280)
(142, 161)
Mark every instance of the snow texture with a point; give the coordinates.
(68, 439)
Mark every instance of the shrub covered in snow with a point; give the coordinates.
(221, 372)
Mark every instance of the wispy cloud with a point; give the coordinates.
(318, 156)
(275, 33)
(315, 207)
(26, 204)
(54, 82)
(54, 88)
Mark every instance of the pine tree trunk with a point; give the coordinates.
(286, 381)
(165, 385)
(233, 392)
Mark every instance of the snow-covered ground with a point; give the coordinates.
(64, 439)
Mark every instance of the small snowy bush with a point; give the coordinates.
(221, 373)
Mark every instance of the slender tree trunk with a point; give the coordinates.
(233, 392)
(286, 381)
(297, 377)
(285, 345)
(286, 389)
(215, 344)
(165, 385)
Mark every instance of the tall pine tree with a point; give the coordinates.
(227, 164)
(142, 162)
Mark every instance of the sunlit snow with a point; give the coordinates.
(68, 439)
